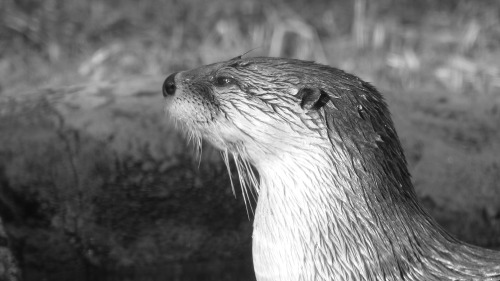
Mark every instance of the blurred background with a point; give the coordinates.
(95, 184)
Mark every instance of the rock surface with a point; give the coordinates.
(97, 175)
(9, 268)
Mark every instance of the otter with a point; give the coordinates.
(335, 200)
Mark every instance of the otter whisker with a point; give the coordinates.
(199, 146)
(246, 177)
(194, 139)
(245, 181)
(254, 187)
(225, 157)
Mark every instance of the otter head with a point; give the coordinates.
(261, 109)
(267, 109)
(273, 112)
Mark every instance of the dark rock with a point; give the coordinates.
(109, 182)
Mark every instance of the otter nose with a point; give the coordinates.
(169, 85)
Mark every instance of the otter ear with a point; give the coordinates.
(312, 98)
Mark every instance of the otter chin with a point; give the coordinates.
(335, 199)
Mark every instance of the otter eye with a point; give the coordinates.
(224, 81)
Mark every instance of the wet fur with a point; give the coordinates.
(335, 197)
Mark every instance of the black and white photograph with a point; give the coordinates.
(251, 140)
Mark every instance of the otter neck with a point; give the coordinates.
(319, 221)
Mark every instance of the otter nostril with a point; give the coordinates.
(169, 85)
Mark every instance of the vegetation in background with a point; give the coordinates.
(447, 45)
